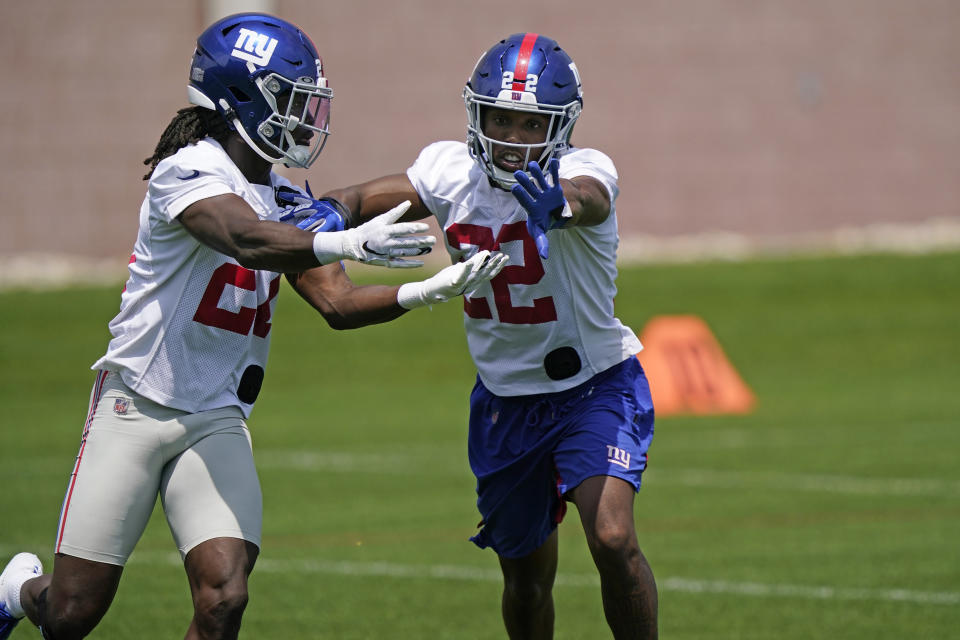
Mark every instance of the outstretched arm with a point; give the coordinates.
(228, 224)
(368, 199)
(345, 305)
(557, 203)
(589, 201)
(341, 302)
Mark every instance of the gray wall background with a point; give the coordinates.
(763, 119)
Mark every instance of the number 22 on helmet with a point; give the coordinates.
(526, 73)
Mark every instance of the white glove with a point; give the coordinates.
(382, 241)
(455, 280)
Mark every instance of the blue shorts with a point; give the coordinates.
(527, 452)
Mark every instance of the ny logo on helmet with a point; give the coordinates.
(254, 47)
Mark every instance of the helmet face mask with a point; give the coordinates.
(525, 72)
(295, 105)
(265, 77)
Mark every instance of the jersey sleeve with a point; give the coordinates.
(592, 163)
(180, 180)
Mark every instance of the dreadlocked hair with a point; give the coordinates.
(189, 126)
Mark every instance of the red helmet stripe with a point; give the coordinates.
(523, 61)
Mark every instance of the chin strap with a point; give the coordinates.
(227, 112)
(253, 145)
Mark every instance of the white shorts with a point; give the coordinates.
(132, 449)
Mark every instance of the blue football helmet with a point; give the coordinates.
(265, 77)
(524, 72)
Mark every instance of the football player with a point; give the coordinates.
(180, 377)
(561, 410)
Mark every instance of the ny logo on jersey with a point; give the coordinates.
(254, 47)
(618, 456)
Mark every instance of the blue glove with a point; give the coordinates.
(317, 216)
(309, 214)
(544, 203)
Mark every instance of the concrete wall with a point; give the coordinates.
(762, 118)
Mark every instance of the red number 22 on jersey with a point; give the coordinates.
(530, 272)
(210, 314)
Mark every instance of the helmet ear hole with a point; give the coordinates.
(238, 94)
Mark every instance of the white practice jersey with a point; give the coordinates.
(192, 320)
(534, 307)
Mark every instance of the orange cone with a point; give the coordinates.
(688, 371)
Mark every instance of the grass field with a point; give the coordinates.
(832, 511)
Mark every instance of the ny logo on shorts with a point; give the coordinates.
(618, 456)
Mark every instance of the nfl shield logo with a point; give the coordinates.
(120, 406)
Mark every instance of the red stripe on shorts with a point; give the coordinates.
(94, 400)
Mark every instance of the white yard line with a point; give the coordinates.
(674, 584)
(468, 573)
(852, 485)
(414, 464)
(430, 463)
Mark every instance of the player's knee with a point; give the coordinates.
(69, 623)
(220, 606)
(614, 542)
(70, 617)
(525, 592)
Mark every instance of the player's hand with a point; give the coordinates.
(543, 201)
(458, 279)
(316, 215)
(312, 214)
(382, 241)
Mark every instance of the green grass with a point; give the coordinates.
(832, 511)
